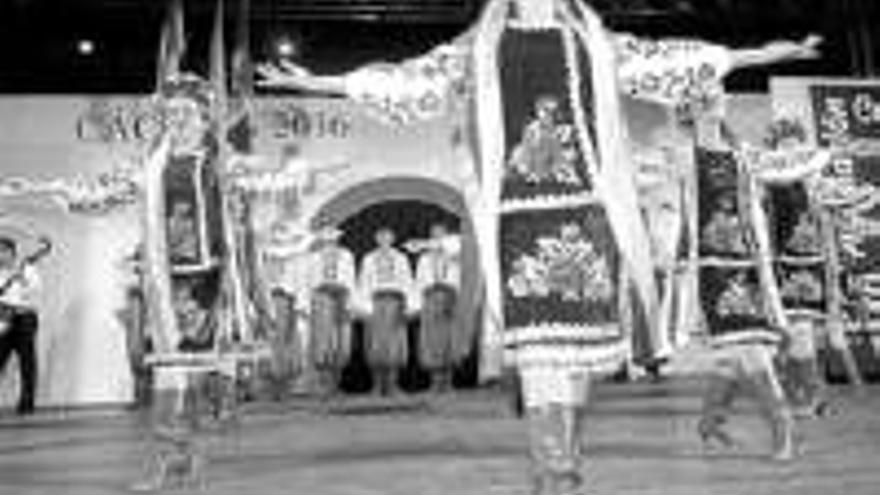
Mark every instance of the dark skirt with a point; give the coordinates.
(330, 327)
(440, 341)
(386, 339)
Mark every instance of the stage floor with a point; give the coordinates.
(641, 440)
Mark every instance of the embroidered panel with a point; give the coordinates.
(799, 257)
(730, 292)
(543, 152)
(558, 266)
(723, 228)
(193, 209)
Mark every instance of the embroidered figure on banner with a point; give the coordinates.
(183, 237)
(567, 265)
(725, 233)
(802, 285)
(547, 150)
(806, 237)
(739, 298)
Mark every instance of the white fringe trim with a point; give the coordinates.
(561, 331)
(543, 203)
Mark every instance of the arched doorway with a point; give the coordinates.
(409, 206)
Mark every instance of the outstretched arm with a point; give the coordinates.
(416, 89)
(286, 74)
(777, 52)
(677, 71)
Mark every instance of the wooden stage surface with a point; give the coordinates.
(641, 440)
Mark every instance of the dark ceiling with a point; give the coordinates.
(39, 37)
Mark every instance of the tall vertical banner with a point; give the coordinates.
(844, 115)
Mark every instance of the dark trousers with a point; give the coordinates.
(22, 340)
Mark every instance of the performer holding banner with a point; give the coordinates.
(739, 293)
(332, 286)
(385, 286)
(443, 340)
(184, 253)
(286, 262)
(537, 82)
(801, 256)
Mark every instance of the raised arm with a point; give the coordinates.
(674, 71)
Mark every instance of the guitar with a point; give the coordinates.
(7, 312)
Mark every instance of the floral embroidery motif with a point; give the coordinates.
(739, 298)
(725, 232)
(803, 286)
(548, 149)
(567, 265)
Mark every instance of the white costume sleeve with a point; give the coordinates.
(417, 89)
(424, 272)
(347, 274)
(31, 285)
(670, 72)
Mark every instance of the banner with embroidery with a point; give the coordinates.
(723, 227)
(559, 266)
(193, 208)
(798, 248)
(730, 292)
(544, 155)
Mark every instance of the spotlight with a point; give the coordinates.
(85, 47)
(286, 47)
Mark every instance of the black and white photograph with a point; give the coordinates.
(425, 247)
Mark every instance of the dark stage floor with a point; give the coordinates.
(641, 440)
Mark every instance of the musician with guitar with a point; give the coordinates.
(19, 320)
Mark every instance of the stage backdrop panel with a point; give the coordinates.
(81, 344)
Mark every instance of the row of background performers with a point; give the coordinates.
(376, 324)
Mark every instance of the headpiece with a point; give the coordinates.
(188, 85)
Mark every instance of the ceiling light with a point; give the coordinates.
(286, 48)
(85, 47)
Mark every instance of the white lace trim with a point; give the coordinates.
(561, 331)
(605, 358)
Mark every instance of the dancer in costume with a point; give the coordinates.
(520, 52)
(286, 352)
(184, 253)
(741, 299)
(133, 319)
(443, 341)
(332, 285)
(385, 285)
(801, 258)
(287, 261)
